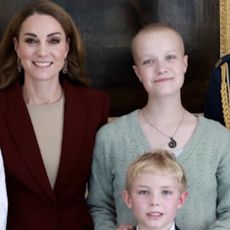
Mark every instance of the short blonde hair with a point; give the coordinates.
(153, 28)
(155, 162)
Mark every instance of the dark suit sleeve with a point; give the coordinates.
(213, 106)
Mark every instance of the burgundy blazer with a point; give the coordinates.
(33, 204)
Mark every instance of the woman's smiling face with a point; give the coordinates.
(42, 47)
(160, 62)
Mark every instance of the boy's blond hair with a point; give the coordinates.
(154, 162)
(152, 28)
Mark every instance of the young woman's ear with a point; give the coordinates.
(135, 68)
(185, 63)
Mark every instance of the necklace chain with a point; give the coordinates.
(172, 143)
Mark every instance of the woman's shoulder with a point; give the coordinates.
(94, 99)
(209, 129)
(119, 125)
(12, 91)
(210, 124)
(84, 90)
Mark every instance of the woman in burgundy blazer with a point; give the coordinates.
(33, 203)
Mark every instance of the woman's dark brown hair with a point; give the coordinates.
(76, 54)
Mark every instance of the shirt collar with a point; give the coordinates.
(172, 228)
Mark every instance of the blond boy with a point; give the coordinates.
(155, 189)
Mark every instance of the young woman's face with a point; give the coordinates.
(42, 47)
(154, 200)
(160, 62)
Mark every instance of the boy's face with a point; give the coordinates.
(154, 200)
(160, 62)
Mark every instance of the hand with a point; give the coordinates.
(124, 227)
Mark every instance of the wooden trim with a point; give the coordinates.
(224, 27)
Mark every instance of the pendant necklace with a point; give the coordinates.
(172, 142)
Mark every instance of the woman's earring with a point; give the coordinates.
(65, 67)
(19, 65)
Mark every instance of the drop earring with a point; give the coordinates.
(65, 67)
(19, 65)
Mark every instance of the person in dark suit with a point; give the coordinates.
(48, 116)
(217, 106)
(155, 188)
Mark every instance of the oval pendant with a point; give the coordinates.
(172, 143)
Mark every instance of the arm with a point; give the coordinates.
(213, 105)
(3, 197)
(223, 199)
(100, 198)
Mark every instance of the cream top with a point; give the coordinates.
(47, 120)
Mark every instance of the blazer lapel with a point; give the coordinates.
(73, 135)
(23, 135)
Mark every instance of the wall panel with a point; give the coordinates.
(107, 27)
